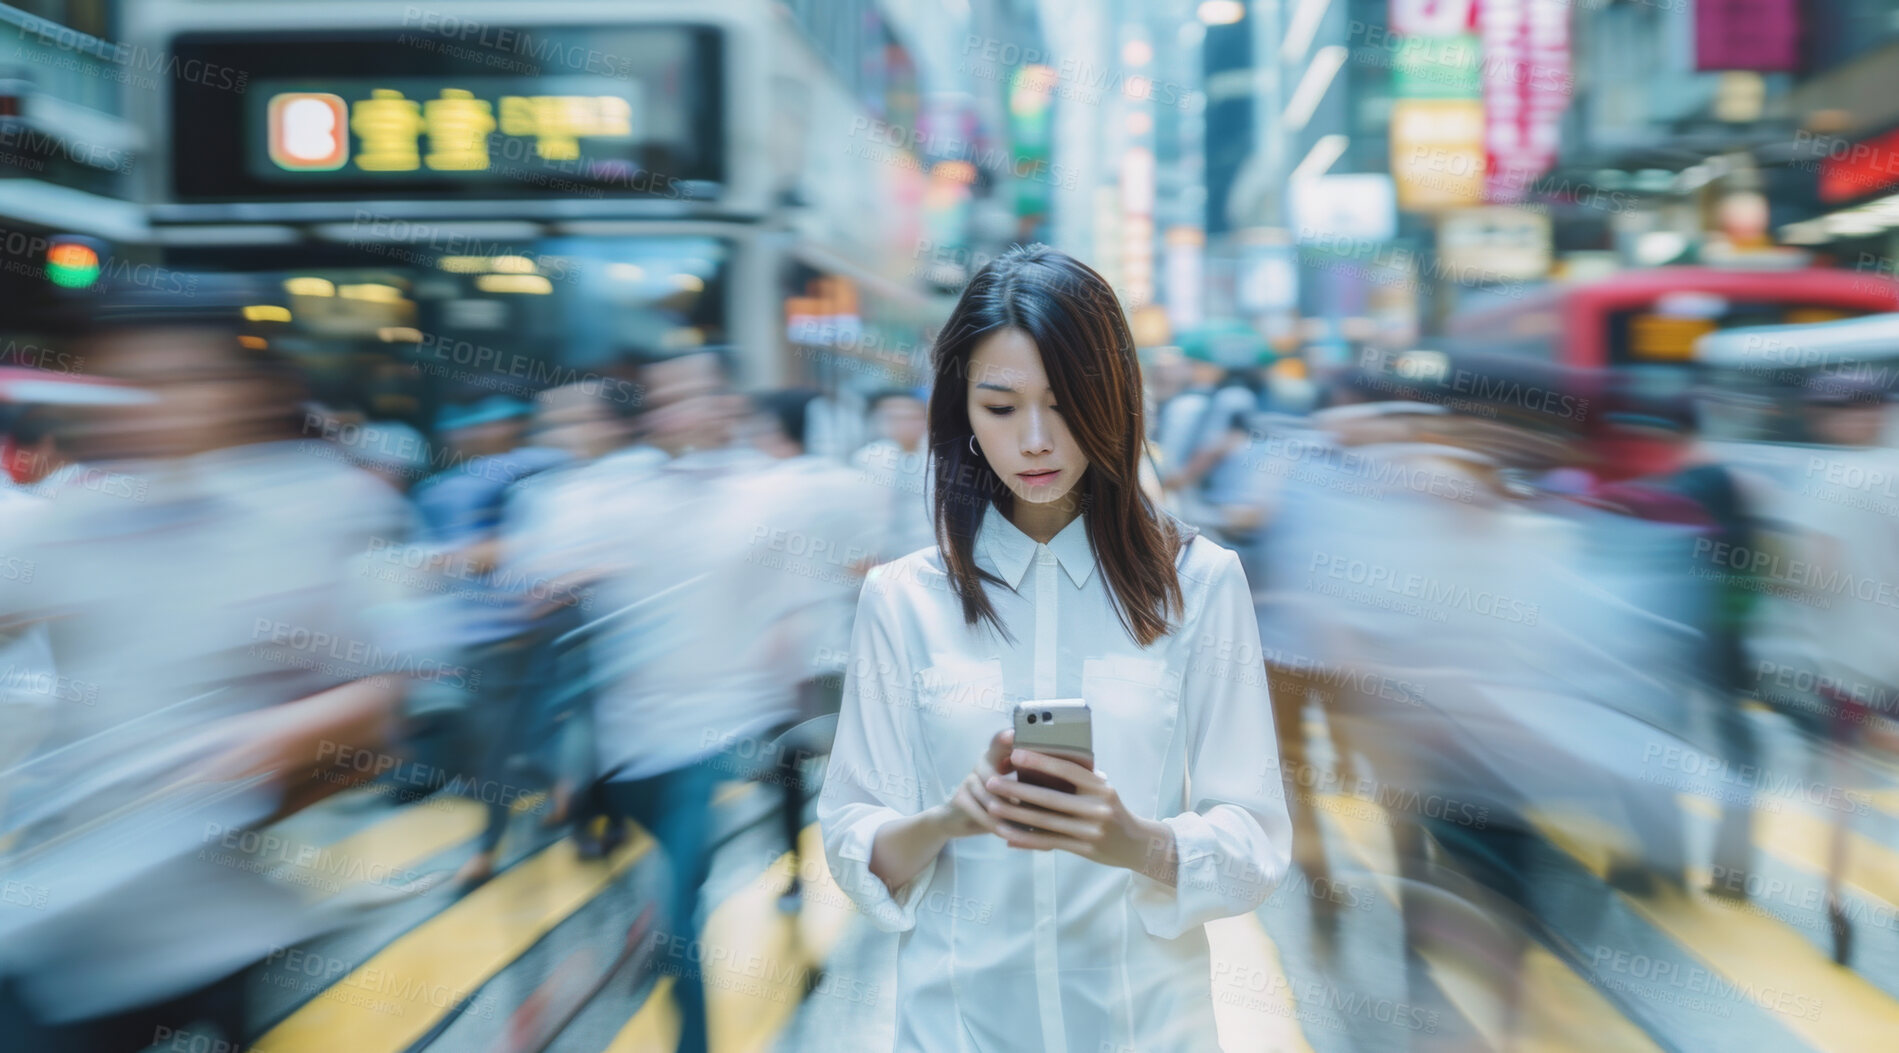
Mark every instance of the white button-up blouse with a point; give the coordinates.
(1011, 949)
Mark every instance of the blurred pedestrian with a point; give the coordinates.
(897, 462)
(185, 579)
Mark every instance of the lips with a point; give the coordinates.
(1041, 475)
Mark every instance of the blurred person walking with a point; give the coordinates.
(680, 647)
(1826, 658)
(822, 528)
(186, 580)
(1032, 917)
(898, 463)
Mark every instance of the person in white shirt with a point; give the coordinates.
(898, 465)
(1034, 918)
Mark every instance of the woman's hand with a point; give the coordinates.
(1091, 822)
(968, 812)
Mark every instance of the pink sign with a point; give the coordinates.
(1759, 35)
(1527, 86)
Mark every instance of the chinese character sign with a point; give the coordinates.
(416, 126)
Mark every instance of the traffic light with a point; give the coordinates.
(72, 262)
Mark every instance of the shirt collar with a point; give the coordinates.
(1009, 551)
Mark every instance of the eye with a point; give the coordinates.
(1000, 411)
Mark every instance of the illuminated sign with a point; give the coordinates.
(309, 131)
(1437, 152)
(1660, 337)
(1527, 86)
(411, 126)
(1759, 35)
(1864, 168)
(1497, 241)
(1430, 18)
(615, 111)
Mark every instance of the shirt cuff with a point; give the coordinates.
(1206, 886)
(850, 866)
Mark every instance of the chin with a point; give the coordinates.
(1041, 495)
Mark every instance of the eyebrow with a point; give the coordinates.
(995, 387)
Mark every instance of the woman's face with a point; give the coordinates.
(1018, 426)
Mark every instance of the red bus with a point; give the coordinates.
(1646, 318)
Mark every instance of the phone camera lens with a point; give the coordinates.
(1048, 717)
(1031, 718)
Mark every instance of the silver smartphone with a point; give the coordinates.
(1060, 727)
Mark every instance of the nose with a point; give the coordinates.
(1037, 432)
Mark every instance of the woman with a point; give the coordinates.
(1053, 577)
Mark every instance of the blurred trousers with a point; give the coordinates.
(676, 808)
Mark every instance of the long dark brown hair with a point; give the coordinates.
(1072, 315)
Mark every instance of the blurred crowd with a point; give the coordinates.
(1489, 592)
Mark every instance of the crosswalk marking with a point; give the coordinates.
(1800, 838)
(1766, 962)
(1886, 800)
(1560, 1008)
(654, 1027)
(453, 952)
(396, 842)
(751, 935)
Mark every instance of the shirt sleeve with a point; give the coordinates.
(1235, 840)
(872, 776)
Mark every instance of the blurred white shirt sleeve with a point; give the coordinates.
(872, 777)
(1235, 839)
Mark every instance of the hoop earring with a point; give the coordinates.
(973, 451)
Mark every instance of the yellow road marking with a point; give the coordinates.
(1765, 962)
(759, 959)
(390, 1001)
(732, 791)
(655, 1028)
(390, 846)
(1801, 838)
(1560, 1009)
(1885, 800)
